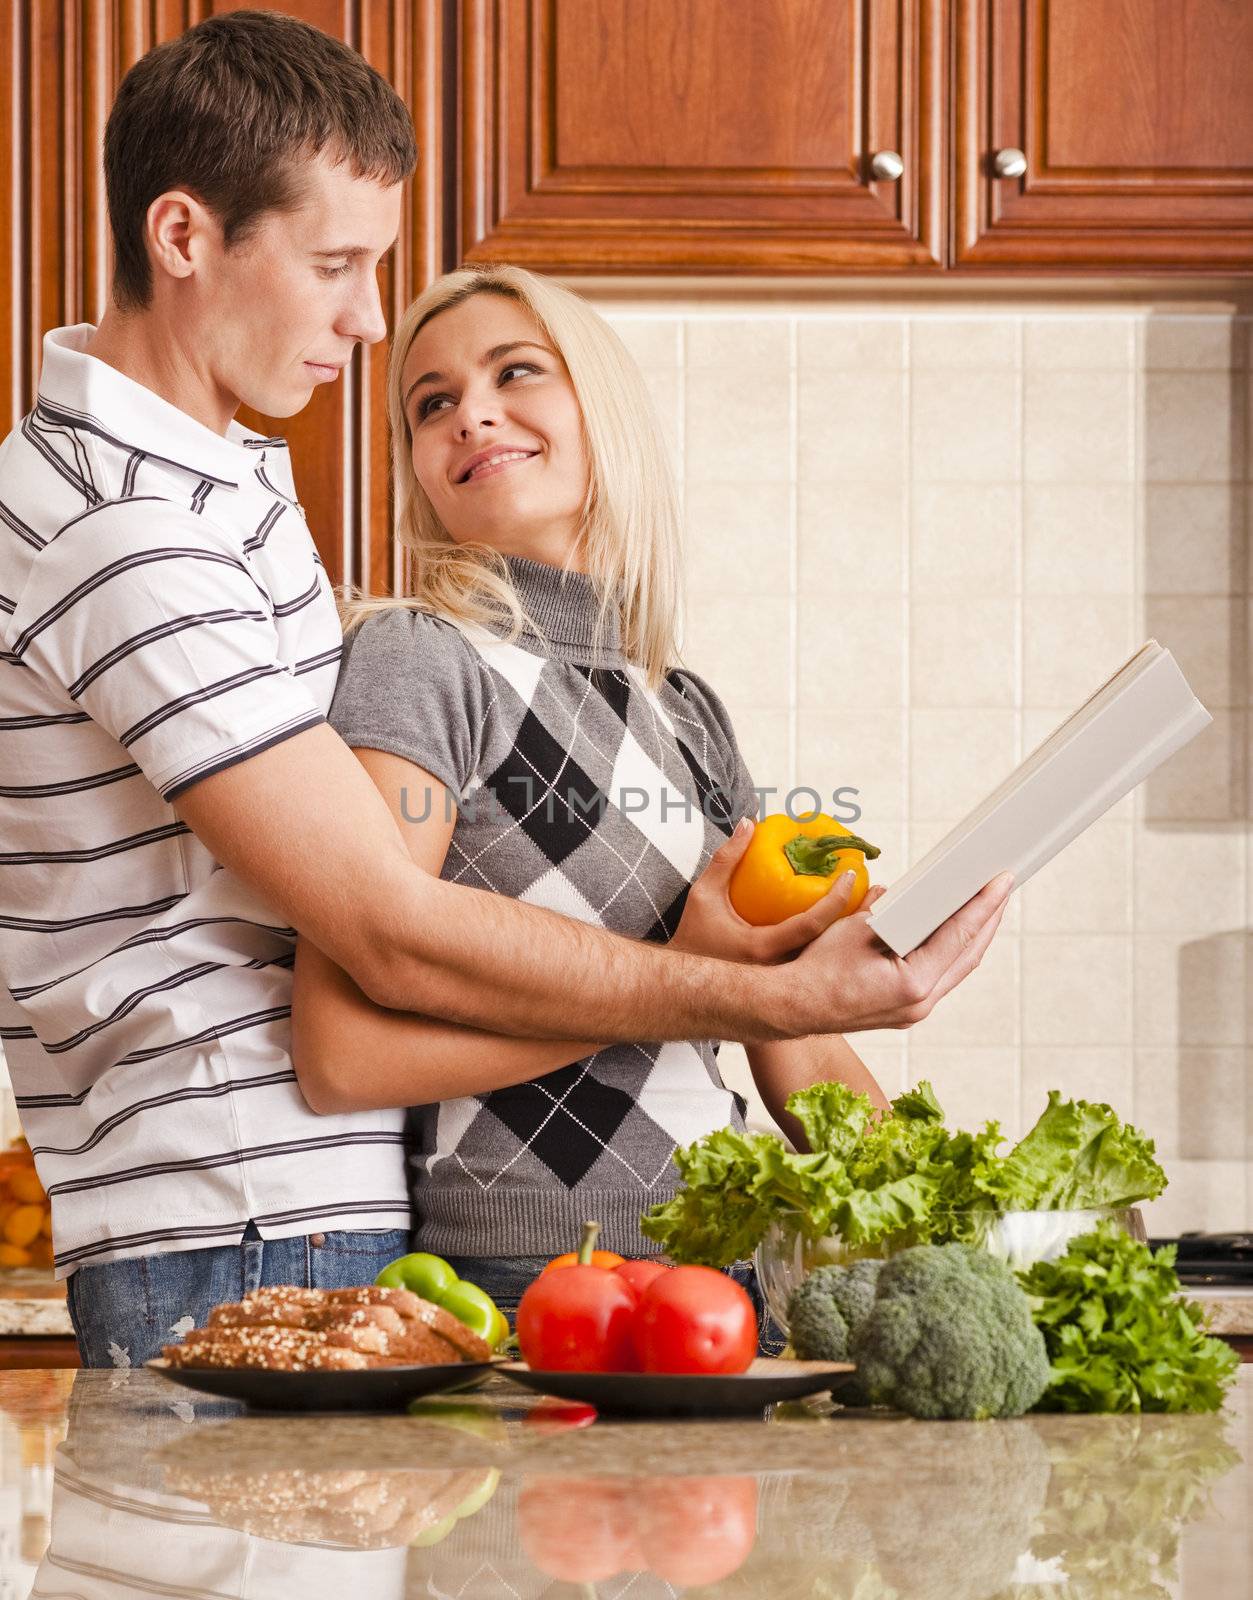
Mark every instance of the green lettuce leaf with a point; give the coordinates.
(865, 1216)
(834, 1117)
(735, 1186)
(1078, 1156)
(1119, 1337)
(918, 1103)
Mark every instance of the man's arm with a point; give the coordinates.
(160, 598)
(304, 826)
(351, 1054)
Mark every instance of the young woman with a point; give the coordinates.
(525, 716)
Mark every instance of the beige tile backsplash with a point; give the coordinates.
(964, 540)
(917, 540)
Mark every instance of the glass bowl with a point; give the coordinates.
(1019, 1238)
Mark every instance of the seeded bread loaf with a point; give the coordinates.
(287, 1328)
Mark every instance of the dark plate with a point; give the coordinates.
(372, 1389)
(664, 1394)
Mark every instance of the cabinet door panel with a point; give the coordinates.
(690, 135)
(660, 84)
(1136, 120)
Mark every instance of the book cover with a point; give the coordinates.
(1138, 718)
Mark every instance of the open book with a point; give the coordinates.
(1142, 715)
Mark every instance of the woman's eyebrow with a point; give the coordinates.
(494, 354)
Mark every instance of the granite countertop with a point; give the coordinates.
(32, 1305)
(1227, 1310)
(499, 1492)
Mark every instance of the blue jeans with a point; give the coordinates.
(505, 1278)
(124, 1311)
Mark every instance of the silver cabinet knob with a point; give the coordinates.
(1009, 163)
(886, 165)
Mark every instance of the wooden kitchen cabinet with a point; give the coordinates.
(1135, 119)
(703, 135)
(738, 135)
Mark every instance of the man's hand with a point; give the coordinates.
(711, 926)
(842, 978)
(847, 979)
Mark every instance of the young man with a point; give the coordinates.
(174, 806)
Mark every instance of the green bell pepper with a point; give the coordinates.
(473, 1502)
(433, 1279)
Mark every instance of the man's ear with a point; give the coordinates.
(178, 228)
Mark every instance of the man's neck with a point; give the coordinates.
(139, 346)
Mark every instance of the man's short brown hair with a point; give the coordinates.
(228, 111)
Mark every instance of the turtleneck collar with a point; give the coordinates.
(565, 606)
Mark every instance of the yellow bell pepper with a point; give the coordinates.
(789, 865)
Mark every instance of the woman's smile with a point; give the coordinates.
(498, 462)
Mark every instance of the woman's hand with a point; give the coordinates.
(711, 926)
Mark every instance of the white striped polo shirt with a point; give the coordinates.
(165, 615)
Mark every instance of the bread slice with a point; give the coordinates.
(467, 1344)
(276, 1349)
(284, 1306)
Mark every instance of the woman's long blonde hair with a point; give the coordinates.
(630, 525)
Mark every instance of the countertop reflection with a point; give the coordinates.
(116, 1484)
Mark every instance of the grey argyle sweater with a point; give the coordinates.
(577, 789)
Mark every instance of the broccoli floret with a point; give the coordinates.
(825, 1311)
(950, 1335)
(828, 1307)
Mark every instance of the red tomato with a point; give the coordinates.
(559, 1416)
(694, 1319)
(697, 1530)
(580, 1530)
(578, 1320)
(639, 1274)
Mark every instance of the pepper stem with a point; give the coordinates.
(812, 857)
(587, 1243)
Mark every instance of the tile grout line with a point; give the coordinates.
(1139, 629)
(1239, 473)
(1020, 628)
(1244, 358)
(793, 520)
(680, 356)
(907, 743)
